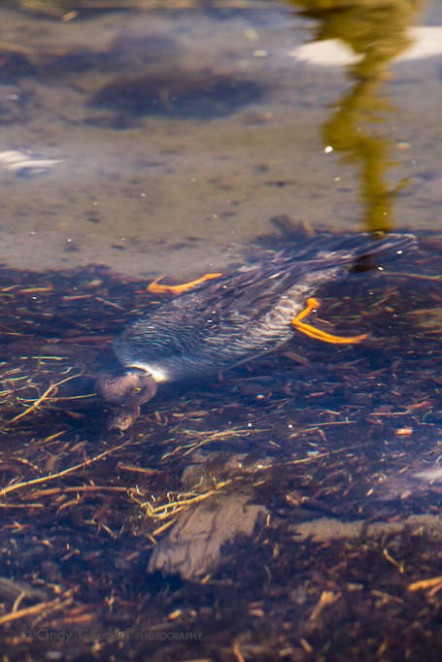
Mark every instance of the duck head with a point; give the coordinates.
(125, 392)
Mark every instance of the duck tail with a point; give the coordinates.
(361, 251)
(372, 250)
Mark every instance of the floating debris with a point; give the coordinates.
(25, 164)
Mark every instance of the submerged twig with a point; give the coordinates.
(51, 389)
(60, 474)
(50, 606)
(180, 502)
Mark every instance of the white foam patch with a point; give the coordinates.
(427, 42)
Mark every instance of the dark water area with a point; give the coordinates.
(288, 508)
(292, 503)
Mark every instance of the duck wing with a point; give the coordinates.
(253, 289)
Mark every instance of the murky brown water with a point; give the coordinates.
(182, 133)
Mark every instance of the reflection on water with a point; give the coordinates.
(377, 34)
(290, 507)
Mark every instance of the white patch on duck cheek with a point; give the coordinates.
(155, 372)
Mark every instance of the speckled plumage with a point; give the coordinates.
(247, 313)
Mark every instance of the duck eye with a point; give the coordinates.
(136, 389)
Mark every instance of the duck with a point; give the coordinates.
(220, 321)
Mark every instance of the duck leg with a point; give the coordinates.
(310, 331)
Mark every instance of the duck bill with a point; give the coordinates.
(124, 418)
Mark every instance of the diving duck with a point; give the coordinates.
(223, 320)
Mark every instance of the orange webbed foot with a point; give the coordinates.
(158, 288)
(318, 334)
